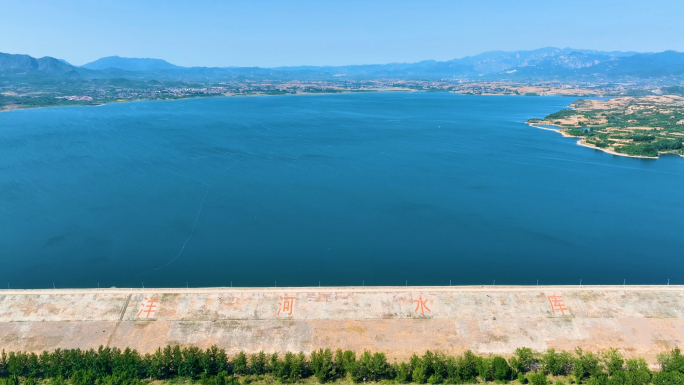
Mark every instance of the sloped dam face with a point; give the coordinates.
(640, 321)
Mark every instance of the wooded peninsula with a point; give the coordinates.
(646, 126)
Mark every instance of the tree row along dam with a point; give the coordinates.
(399, 321)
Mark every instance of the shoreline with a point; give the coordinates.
(347, 289)
(228, 95)
(409, 90)
(582, 143)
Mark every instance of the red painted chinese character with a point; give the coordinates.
(286, 306)
(421, 304)
(556, 302)
(148, 307)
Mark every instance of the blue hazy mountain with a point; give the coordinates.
(130, 64)
(644, 65)
(10, 64)
(498, 61)
(539, 64)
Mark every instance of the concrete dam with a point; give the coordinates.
(638, 320)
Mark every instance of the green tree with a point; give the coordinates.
(485, 368)
(348, 361)
(82, 377)
(257, 363)
(214, 360)
(283, 368)
(299, 367)
(403, 373)
(670, 362)
(239, 364)
(428, 363)
(557, 363)
(523, 360)
(272, 364)
(378, 366)
(33, 369)
(3, 363)
(452, 376)
(15, 364)
(340, 370)
(502, 372)
(467, 367)
(57, 381)
(322, 365)
(438, 368)
(220, 378)
(157, 367)
(668, 378)
(361, 371)
(613, 361)
(418, 375)
(585, 365)
(637, 372)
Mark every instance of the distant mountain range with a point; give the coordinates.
(130, 64)
(539, 64)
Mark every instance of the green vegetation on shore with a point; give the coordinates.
(644, 126)
(173, 364)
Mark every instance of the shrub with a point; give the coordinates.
(598, 379)
(82, 377)
(57, 381)
(642, 138)
(585, 365)
(668, 378)
(403, 373)
(418, 375)
(672, 361)
(538, 378)
(613, 361)
(576, 132)
(521, 378)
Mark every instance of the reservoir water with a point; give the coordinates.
(351, 189)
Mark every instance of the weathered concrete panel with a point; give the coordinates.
(87, 306)
(399, 321)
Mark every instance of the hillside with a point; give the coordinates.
(15, 64)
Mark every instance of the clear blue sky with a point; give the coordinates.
(321, 32)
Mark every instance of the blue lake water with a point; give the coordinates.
(374, 189)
